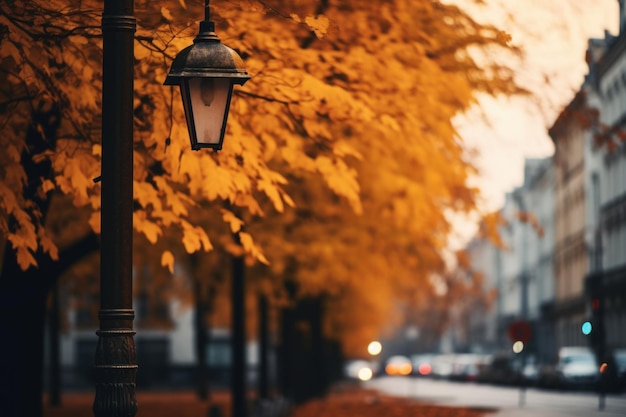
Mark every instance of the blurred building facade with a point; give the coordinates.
(535, 200)
(485, 330)
(606, 279)
(574, 270)
(521, 271)
(570, 254)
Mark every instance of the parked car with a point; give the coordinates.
(423, 364)
(467, 366)
(530, 372)
(398, 365)
(575, 368)
(442, 366)
(500, 370)
(619, 355)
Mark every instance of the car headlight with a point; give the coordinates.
(365, 374)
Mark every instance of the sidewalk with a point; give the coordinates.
(150, 404)
(503, 401)
(613, 408)
(356, 402)
(343, 402)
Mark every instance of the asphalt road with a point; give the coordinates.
(506, 401)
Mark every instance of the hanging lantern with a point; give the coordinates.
(206, 73)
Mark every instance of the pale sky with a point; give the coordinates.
(554, 35)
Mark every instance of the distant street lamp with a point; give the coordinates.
(206, 72)
(518, 346)
(374, 348)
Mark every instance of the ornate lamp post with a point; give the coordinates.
(206, 72)
(116, 364)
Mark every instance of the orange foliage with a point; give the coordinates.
(588, 118)
(489, 227)
(340, 159)
(531, 219)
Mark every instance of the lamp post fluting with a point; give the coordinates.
(115, 361)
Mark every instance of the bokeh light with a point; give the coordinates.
(518, 346)
(603, 367)
(587, 327)
(365, 374)
(425, 369)
(402, 369)
(374, 348)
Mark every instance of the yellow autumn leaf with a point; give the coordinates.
(318, 24)
(146, 195)
(250, 247)
(94, 222)
(271, 191)
(25, 258)
(7, 198)
(150, 229)
(48, 246)
(47, 185)
(79, 40)
(233, 221)
(167, 260)
(167, 15)
(390, 122)
(295, 17)
(195, 238)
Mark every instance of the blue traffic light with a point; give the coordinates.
(587, 327)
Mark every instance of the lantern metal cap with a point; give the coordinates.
(207, 58)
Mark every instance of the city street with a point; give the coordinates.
(506, 400)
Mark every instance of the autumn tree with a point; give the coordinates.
(408, 164)
(342, 141)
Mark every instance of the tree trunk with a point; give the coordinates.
(54, 381)
(287, 352)
(200, 343)
(23, 297)
(238, 387)
(263, 348)
(23, 293)
(22, 312)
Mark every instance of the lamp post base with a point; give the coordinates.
(116, 365)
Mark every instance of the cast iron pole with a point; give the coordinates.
(115, 362)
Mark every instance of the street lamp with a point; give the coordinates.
(206, 72)
(374, 348)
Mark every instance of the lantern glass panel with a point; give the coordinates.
(209, 99)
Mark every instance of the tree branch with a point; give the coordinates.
(265, 98)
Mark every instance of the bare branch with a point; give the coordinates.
(265, 98)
